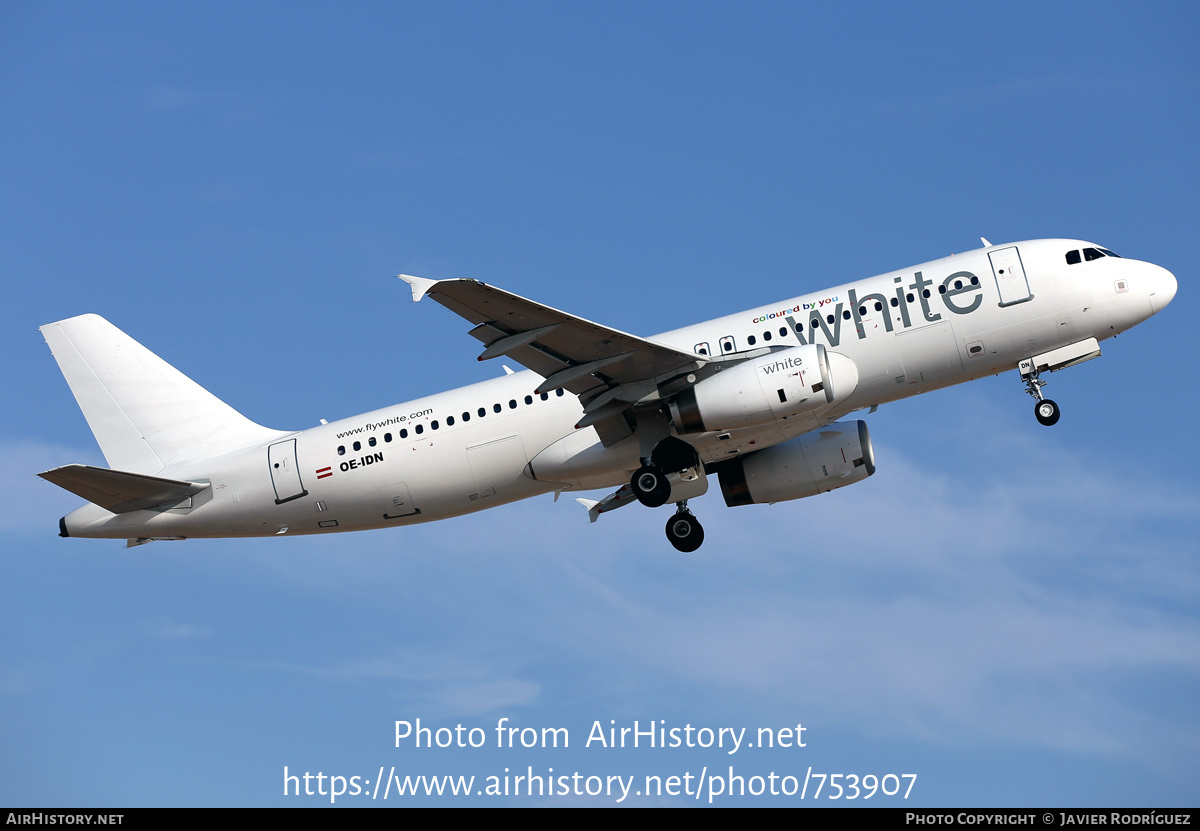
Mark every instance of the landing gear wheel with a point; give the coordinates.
(1047, 412)
(650, 486)
(684, 532)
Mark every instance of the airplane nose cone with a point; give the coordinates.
(1162, 288)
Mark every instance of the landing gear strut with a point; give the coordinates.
(684, 530)
(1045, 410)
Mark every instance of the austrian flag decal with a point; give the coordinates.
(323, 472)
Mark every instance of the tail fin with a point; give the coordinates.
(144, 413)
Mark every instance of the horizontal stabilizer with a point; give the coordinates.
(121, 492)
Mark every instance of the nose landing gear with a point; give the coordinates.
(1045, 410)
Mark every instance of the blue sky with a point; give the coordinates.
(1006, 610)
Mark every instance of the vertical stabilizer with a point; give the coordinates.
(144, 413)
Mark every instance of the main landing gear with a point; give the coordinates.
(652, 487)
(1045, 410)
(649, 481)
(684, 530)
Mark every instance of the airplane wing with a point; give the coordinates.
(608, 369)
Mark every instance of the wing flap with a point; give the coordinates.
(119, 491)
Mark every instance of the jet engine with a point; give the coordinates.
(785, 383)
(832, 457)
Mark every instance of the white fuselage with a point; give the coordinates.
(906, 332)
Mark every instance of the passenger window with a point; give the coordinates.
(545, 396)
(449, 421)
(700, 349)
(482, 412)
(766, 335)
(420, 428)
(727, 344)
(750, 341)
(434, 424)
(559, 392)
(357, 446)
(403, 433)
(341, 450)
(512, 403)
(371, 441)
(496, 408)
(529, 399)
(466, 416)
(387, 437)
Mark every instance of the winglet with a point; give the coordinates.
(420, 285)
(619, 498)
(590, 504)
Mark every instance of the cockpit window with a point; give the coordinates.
(1090, 254)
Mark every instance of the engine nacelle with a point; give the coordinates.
(782, 384)
(832, 457)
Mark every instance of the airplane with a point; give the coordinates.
(755, 398)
